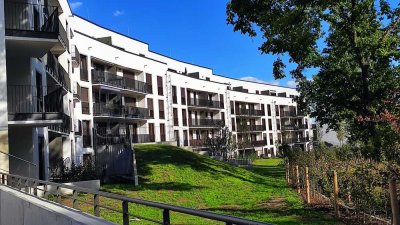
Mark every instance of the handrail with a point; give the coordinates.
(23, 160)
(26, 182)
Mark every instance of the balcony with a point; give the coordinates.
(258, 143)
(114, 110)
(109, 138)
(57, 72)
(143, 138)
(295, 127)
(64, 128)
(28, 104)
(77, 91)
(299, 140)
(206, 123)
(75, 56)
(197, 142)
(250, 128)
(25, 22)
(204, 103)
(105, 78)
(250, 112)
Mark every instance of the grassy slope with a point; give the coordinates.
(174, 176)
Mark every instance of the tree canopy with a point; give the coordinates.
(353, 44)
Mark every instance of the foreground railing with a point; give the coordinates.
(32, 186)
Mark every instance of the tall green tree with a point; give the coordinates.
(353, 44)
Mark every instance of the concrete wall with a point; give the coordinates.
(17, 208)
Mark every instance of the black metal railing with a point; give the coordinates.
(57, 72)
(205, 103)
(197, 142)
(103, 137)
(288, 114)
(32, 99)
(143, 138)
(205, 122)
(294, 127)
(101, 77)
(34, 186)
(63, 37)
(250, 128)
(64, 127)
(115, 110)
(31, 20)
(258, 143)
(295, 140)
(250, 112)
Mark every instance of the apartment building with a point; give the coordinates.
(74, 91)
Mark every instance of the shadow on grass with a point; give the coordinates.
(168, 186)
(269, 171)
(148, 155)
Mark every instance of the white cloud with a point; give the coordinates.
(291, 83)
(75, 5)
(255, 79)
(118, 13)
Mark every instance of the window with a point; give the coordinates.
(149, 83)
(162, 131)
(232, 108)
(185, 138)
(221, 101)
(150, 107)
(278, 124)
(161, 109)
(151, 132)
(87, 142)
(269, 124)
(85, 100)
(271, 139)
(269, 109)
(84, 69)
(175, 114)
(160, 87)
(263, 124)
(174, 96)
(233, 124)
(183, 96)
(276, 110)
(184, 117)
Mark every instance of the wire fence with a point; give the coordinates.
(363, 195)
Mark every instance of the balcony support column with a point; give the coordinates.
(4, 159)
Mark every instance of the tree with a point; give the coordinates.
(353, 44)
(341, 132)
(222, 143)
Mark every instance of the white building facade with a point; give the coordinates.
(77, 91)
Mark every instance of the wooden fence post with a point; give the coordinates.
(307, 186)
(297, 179)
(394, 202)
(336, 194)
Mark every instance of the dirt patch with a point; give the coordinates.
(274, 203)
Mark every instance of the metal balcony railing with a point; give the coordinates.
(65, 127)
(250, 128)
(295, 140)
(100, 77)
(205, 103)
(31, 20)
(143, 138)
(258, 143)
(197, 142)
(295, 127)
(57, 72)
(77, 90)
(205, 122)
(114, 110)
(29, 99)
(250, 112)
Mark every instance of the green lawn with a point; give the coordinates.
(175, 176)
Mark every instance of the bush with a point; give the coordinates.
(64, 174)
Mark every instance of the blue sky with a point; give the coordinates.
(188, 30)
